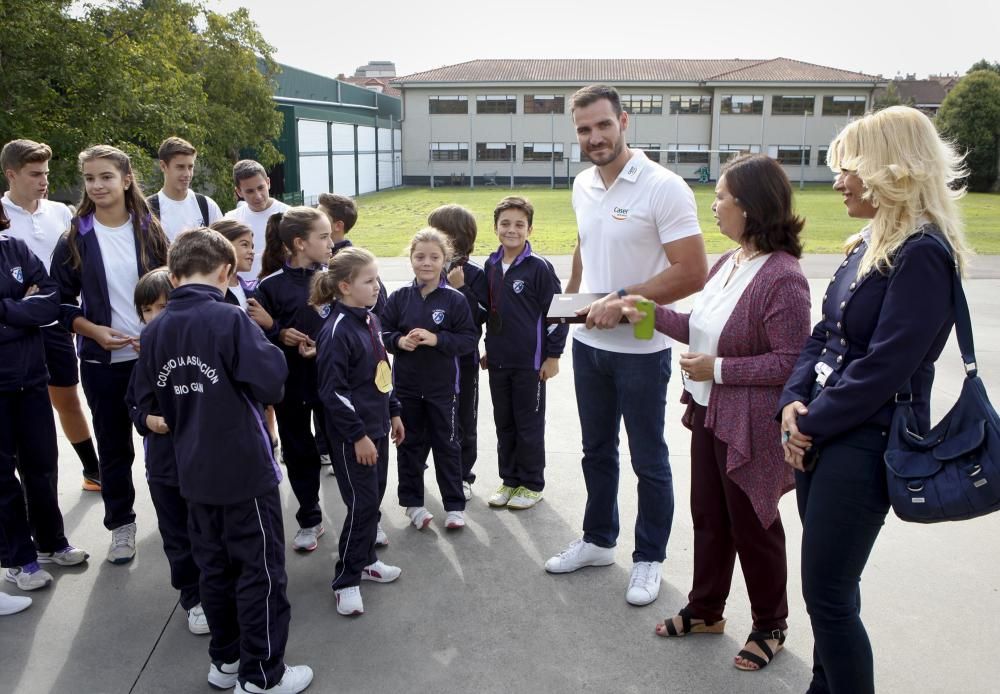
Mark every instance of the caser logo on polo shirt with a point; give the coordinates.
(619, 213)
(17, 274)
(437, 315)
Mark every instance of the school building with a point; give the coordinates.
(490, 121)
(336, 137)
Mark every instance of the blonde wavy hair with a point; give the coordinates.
(908, 172)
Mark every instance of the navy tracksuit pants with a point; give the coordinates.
(468, 416)
(29, 508)
(519, 413)
(172, 520)
(430, 423)
(240, 549)
(362, 488)
(105, 386)
(301, 458)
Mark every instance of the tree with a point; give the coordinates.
(984, 64)
(970, 115)
(891, 97)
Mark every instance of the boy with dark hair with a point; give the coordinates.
(39, 222)
(208, 368)
(178, 207)
(253, 187)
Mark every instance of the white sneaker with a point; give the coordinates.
(419, 516)
(381, 539)
(331, 471)
(455, 520)
(224, 675)
(122, 549)
(380, 572)
(39, 578)
(198, 622)
(644, 585)
(523, 498)
(295, 680)
(501, 496)
(349, 601)
(306, 539)
(467, 490)
(12, 604)
(579, 554)
(325, 459)
(71, 556)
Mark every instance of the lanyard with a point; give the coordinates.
(378, 349)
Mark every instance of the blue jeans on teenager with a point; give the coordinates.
(611, 387)
(842, 502)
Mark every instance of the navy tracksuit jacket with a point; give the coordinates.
(29, 441)
(348, 350)
(209, 368)
(426, 381)
(521, 298)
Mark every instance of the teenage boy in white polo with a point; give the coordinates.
(39, 222)
(178, 207)
(638, 233)
(254, 188)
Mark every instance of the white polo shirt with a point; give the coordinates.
(41, 230)
(121, 270)
(257, 221)
(622, 231)
(177, 216)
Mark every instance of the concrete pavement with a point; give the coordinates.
(475, 611)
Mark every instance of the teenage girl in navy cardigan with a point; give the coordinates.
(111, 243)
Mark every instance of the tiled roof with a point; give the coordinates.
(617, 70)
(367, 82)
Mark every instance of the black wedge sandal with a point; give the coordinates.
(706, 627)
(761, 638)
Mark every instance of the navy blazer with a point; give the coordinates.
(877, 333)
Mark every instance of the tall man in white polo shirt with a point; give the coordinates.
(39, 222)
(177, 206)
(638, 233)
(254, 188)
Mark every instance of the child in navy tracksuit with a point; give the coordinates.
(151, 294)
(207, 367)
(360, 415)
(459, 225)
(111, 243)
(302, 235)
(521, 353)
(428, 326)
(33, 533)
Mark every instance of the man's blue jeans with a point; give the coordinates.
(610, 387)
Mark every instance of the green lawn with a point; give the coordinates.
(389, 219)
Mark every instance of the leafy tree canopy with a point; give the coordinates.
(970, 115)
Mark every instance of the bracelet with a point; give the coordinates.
(622, 292)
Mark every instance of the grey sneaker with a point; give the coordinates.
(70, 556)
(122, 549)
(39, 578)
(306, 539)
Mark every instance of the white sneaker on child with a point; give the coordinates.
(12, 604)
(197, 621)
(224, 675)
(325, 459)
(122, 549)
(25, 580)
(295, 680)
(380, 572)
(644, 584)
(419, 516)
(69, 556)
(306, 539)
(381, 539)
(578, 554)
(349, 601)
(467, 490)
(455, 520)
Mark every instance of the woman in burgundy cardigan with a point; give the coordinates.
(745, 332)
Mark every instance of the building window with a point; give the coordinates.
(690, 104)
(688, 154)
(495, 151)
(792, 105)
(496, 103)
(543, 151)
(789, 155)
(843, 105)
(821, 153)
(644, 104)
(652, 149)
(729, 151)
(543, 103)
(448, 104)
(742, 104)
(449, 151)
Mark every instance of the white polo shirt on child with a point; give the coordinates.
(40, 230)
(622, 231)
(257, 221)
(121, 269)
(180, 215)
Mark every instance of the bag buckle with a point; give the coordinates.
(970, 367)
(903, 398)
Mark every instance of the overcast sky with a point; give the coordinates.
(877, 36)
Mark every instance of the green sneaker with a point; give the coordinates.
(501, 496)
(523, 498)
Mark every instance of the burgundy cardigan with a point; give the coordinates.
(759, 346)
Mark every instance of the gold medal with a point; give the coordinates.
(383, 377)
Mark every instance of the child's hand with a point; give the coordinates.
(307, 349)
(259, 315)
(550, 368)
(456, 276)
(484, 362)
(110, 339)
(397, 432)
(407, 343)
(31, 291)
(135, 344)
(156, 424)
(290, 337)
(424, 337)
(365, 451)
